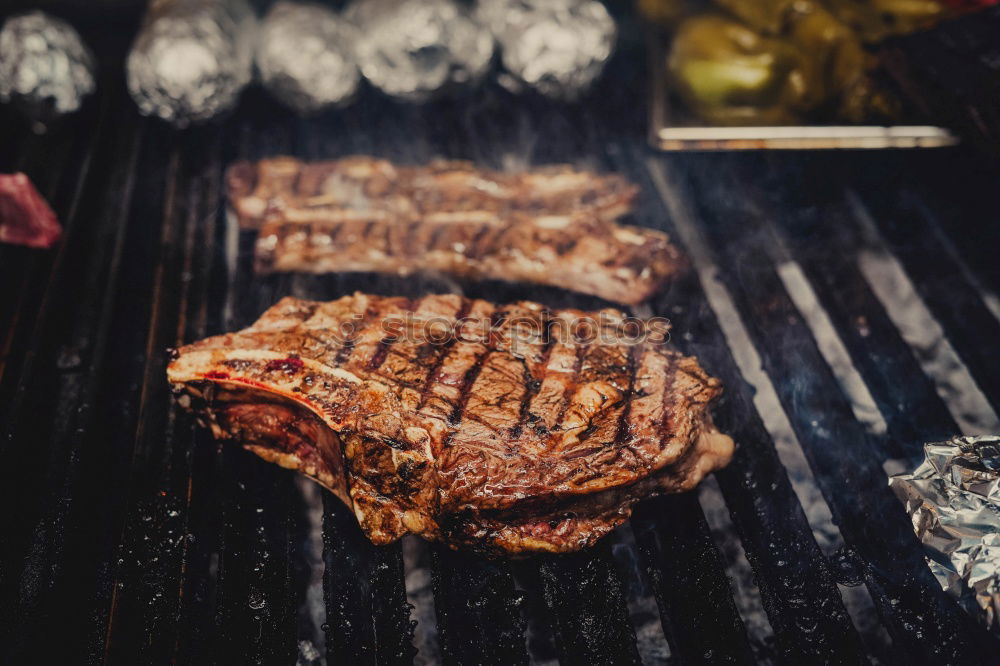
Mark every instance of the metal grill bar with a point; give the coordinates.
(144, 261)
(154, 538)
(255, 594)
(147, 601)
(585, 595)
(692, 591)
(256, 602)
(809, 621)
(367, 617)
(942, 283)
(696, 603)
(478, 610)
(825, 248)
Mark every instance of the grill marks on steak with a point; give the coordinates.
(500, 438)
(551, 226)
(362, 187)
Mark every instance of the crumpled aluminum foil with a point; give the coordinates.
(45, 68)
(305, 56)
(191, 58)
(953, 499)
(412, 49)
(557, 47)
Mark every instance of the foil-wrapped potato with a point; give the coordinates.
(555, 47)
(45, 68)
(415, 49)
(953, 501)
(191, 58)
(305, 56)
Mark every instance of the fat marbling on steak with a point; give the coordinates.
(504, 428)
(371, 187)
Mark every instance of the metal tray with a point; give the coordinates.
(666, 134)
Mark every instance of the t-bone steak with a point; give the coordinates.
(507, 429)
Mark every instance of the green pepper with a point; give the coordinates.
(837, 63)
(728, 73)
(833, 56)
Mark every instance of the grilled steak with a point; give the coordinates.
(551, 226)
(507, 429)
(623, 264)
(371, 188)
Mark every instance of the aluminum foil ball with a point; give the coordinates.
(191, 58)
(305, 56)
(45, 68)
(557, 47)
(411, 49)
(953, 501)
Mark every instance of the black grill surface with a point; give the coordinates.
(129, 536)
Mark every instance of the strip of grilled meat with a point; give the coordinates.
(507, 429)
(371, 188)
(623, 264)
(552, 226)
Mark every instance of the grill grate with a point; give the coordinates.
(138, 539)
(846, 460)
